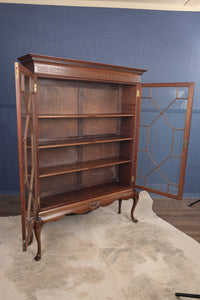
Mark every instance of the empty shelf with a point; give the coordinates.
(61, 142)
(85, 116)
(96, 191)
(82, 166)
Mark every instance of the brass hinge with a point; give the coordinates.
(38, 199)
(35, 87)
(132, 178)
(138, 93)
(16, 71)
(185, 144)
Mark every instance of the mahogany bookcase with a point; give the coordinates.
(78, 133)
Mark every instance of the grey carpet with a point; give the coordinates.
(100, 256)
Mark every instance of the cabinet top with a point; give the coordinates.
(77, 69)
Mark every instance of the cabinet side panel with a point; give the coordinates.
(25, 97)
(125, 174)
(128, 128)
(128, 98)
(20, 149)
(126, 149)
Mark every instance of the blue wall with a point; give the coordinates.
(167, 44)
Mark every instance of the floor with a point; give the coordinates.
(9, 206)
(180, 215)
(177, 213)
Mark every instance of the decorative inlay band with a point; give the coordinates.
(75, 72)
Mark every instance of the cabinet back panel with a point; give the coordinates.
(58, 156)
(100, 98)
(73, 154)
(73, 97)
(100, 176)
(58, 184)
(100, 126)
(54, 128)
(57, 97)
(68, 182)
(100, 151)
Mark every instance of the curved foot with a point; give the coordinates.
(37, 257)
(37, 229)
(120, 205)
(135, 201)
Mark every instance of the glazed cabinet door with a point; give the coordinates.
(164, 127)
(25, 102)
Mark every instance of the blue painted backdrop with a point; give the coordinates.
(167, 44)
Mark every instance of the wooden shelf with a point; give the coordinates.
(82, 166)
(92, 193)
(58, 116)
(63, 142)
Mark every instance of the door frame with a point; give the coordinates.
(27, 225)
(188, 117)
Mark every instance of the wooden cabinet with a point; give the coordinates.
(78, 126)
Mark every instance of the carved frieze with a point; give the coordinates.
(86, 73)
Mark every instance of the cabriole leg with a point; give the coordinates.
(120, 205)
(31, 239)
(135, 201)
(37, 229)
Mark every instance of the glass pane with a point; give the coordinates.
(160, 140)
(162, 128)
(178, 142)
(156, 181)
(149, 112)
(182, 92)
(173, 189)
(146, 92)
(171, 169)
(176, 113)
(145, 164)
(140, 180)
(143, 138)
(163, 96)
